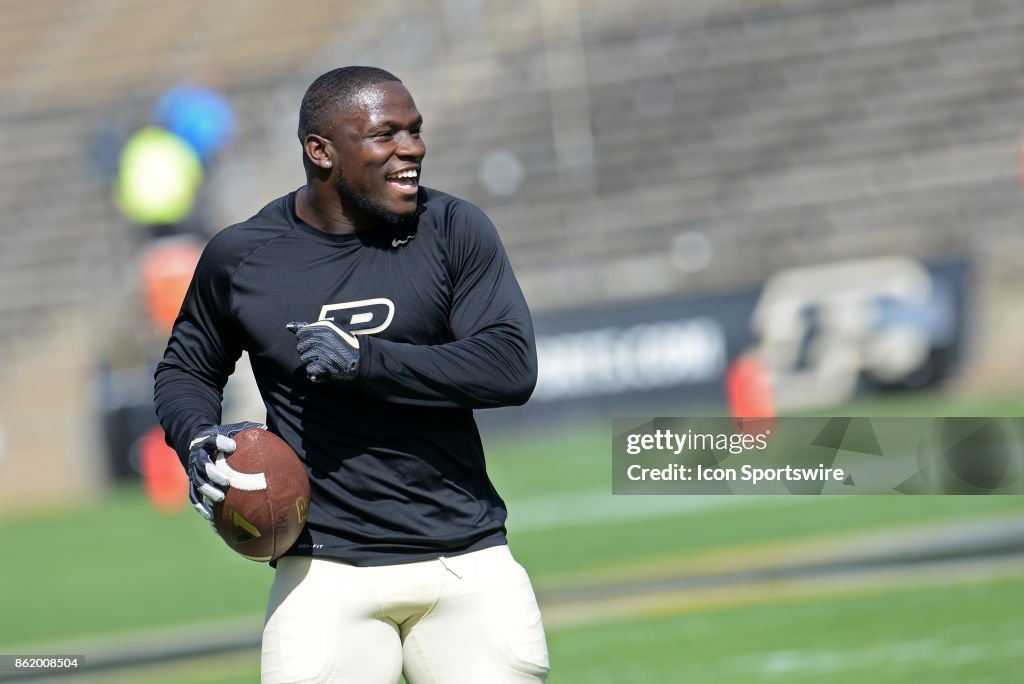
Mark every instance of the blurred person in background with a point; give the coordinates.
(198, 113)
(416, 320)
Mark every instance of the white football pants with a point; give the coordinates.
(468, 619)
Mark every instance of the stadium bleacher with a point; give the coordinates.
(788, 131)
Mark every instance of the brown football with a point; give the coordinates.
(265, 506)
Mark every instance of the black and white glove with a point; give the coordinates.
(206, 480)
(326, 350)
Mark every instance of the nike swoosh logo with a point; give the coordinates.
(398, 243)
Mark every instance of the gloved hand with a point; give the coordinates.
(326, 350)
(205, 479)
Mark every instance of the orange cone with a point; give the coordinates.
(748, 388)
(165, 481)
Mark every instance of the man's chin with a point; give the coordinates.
(376, 212)
(400, 212)
(389, 217)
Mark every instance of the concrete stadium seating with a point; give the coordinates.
(788, 131)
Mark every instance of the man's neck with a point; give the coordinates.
(322, 210)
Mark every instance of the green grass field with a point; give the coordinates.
(957, 633)
(114, 569)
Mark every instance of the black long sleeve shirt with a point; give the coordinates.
(394, 457)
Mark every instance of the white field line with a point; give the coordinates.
(937, 651)
(589, 507)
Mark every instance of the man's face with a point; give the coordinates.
(379, 149)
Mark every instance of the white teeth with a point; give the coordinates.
(411, 173)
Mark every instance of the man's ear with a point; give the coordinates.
(316, 149)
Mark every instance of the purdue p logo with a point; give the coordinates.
(364, 317)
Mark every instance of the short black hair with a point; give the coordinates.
(336, 87)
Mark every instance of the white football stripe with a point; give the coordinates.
(249, 482)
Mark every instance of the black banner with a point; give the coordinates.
(823, 333)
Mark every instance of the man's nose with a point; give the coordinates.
(410, 145)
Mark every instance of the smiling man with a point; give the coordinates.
(377, 314)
